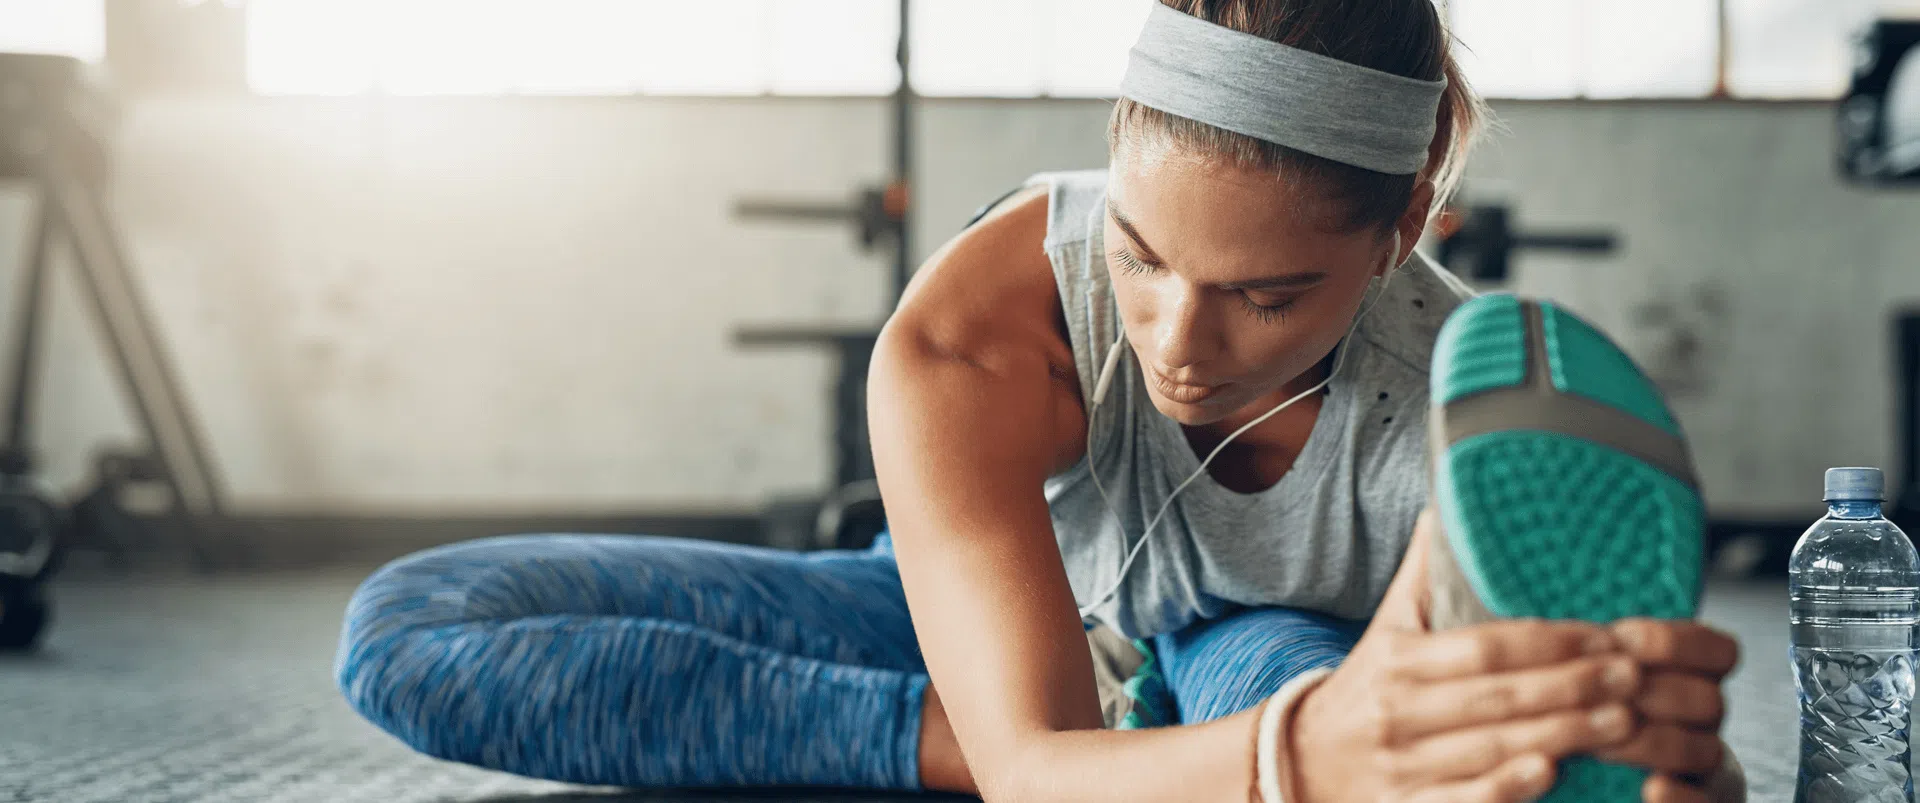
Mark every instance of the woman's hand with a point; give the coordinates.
(1680, 708)
(1478, 714)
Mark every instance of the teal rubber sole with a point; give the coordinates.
(1557, 525)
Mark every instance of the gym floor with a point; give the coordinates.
(165, 689)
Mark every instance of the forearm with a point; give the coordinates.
(1206, 763)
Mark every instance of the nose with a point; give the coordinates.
(1184, 335)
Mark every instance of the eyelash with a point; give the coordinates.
(1266, 314)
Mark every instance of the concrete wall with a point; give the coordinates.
(526, 305)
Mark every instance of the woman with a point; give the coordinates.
(1179, 402)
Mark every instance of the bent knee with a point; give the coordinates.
(406, 685)
(393, 616)
(401, 602)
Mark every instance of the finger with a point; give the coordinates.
(1463, 754)
(1681, 699)
(1409, 600)
(1427, 708)
(1668, 789)
(1503, 646)
(1686, 646)
(1521, 779)
(1668, 749)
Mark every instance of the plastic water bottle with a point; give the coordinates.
(1854, 586)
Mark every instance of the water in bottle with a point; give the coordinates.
(1854, 587)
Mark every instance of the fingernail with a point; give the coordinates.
(1601, 642)
(1620, 678)
(1610, 721)
(1629, 635)
(1535, 771)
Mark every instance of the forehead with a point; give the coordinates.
(1216, 222)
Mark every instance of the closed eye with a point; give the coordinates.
(1267, 313)
(1130, 263)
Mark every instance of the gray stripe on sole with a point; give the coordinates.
(1538, 405)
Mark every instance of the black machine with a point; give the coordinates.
(1905, 499)
(1482, 247)
(1879, 141)
(52, 120)
(1879, 120)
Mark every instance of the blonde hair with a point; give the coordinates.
(1404, 37)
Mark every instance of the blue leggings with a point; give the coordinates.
(659, 662)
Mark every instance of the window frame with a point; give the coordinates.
(1720, 92)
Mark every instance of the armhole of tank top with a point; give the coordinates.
(1073, 248)
(1063, 254)
(981, 213)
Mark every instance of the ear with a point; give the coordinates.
(1413, 223)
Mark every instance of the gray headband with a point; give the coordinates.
(1330, 108)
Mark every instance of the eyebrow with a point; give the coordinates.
(1280, 282)
(1126, 224)
(1293, 280)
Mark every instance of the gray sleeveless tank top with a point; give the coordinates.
(1328, 537)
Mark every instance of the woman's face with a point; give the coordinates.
(1231, 283)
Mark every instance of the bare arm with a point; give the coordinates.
(973, 405)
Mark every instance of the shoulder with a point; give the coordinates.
(1405, 324)
(990, 288)
(981, 328)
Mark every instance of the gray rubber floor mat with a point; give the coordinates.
(218, 691)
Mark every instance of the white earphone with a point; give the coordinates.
(1105, 383)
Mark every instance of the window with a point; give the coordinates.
(1587, 48)
(63, 27)
(986, 48)
(1023, 48)
(1661, 48)
(1005, 48)
(413, 47)
(1796, 48)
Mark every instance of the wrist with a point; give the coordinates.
(1277, 747)
(1300, 740)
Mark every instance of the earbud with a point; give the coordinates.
(1105, 381)
(1393, 262)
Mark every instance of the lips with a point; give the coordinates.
(1181, 392)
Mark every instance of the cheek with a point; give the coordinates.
(1138, 303)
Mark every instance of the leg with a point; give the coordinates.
(629, 661)
(1224, 666)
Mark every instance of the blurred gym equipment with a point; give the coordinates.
(53, 119)
(1879, 137)
(850, 515)
(1481, 248)
(1879, 118)
(1905, 498)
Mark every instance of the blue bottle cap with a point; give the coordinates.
(1856, 485)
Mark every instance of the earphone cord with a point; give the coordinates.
(1120, 578)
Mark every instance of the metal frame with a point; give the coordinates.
(878, 215)
(38, 143)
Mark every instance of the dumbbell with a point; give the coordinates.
(32, 529)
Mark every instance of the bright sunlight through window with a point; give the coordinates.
(740, 47)
(58, 27)
(967, 48)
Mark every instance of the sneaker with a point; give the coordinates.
(1564, 487)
